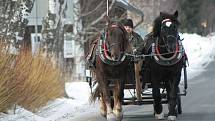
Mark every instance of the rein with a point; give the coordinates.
(142, 56)
(159, 57)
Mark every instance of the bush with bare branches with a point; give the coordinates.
(7, 75)
(29, 81)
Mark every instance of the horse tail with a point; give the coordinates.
(95, 93)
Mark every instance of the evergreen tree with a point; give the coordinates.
(190, 15)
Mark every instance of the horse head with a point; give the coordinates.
(166, 28)
(167, 49)
(117, 40)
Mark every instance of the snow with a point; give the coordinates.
(200, 53)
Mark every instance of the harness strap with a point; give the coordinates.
(89, 55)
(104, 56)
(160, 59)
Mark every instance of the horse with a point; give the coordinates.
(109, 69)
(165, 63)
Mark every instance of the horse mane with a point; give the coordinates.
(160, 18)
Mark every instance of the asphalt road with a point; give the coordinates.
(198, 105)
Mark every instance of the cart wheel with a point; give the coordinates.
(179, 108)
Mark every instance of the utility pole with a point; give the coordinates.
(36, 24)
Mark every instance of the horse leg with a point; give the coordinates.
(107, 99)
(110, 115)
(118, 95)
(102, 106)
(172, 96)
(157, 101)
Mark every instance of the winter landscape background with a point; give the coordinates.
(200, 51)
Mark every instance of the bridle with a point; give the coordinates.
(110, 46)
(176, 55)
(165, 42)
(167, 23)
(104, 47)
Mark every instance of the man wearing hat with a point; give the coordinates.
(137, 46)
(134, 38)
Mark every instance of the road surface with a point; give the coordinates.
(198, 105)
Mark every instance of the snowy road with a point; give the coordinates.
(198, 105)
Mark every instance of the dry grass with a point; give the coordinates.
(7, 75)
(29, 81)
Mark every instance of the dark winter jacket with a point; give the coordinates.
(136, 40)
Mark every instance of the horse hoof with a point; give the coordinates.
(118, 114)
(119, 118)
(171, 118)
(103, 113)
(111, 117)
(159, 116)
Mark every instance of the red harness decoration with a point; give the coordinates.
(160, 59)
(106, 51)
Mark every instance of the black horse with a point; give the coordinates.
(165, 63)
(109, 69)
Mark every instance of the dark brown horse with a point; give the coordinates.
(110, 69)
(166, 62)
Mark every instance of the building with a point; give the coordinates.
(40, 10)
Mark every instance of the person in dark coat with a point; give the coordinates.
(134, 38)
(137, 46)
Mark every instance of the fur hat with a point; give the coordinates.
(127, 22)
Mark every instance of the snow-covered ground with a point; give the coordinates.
(200, 51)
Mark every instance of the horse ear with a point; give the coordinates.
(176, 14)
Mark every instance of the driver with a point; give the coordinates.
(134, 38)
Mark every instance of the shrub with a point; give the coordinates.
(7, 75)
(29, 81)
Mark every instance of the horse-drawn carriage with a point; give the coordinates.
(152, 77)
(138, 91)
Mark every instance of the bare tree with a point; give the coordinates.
(151, 9)
(13, 19)
(88, 20)
(52, 30)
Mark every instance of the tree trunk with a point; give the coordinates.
(13, 20)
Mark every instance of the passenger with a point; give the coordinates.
(137, 46)
(134, 38)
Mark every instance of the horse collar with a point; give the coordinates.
(104, 54)
(160, 59)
